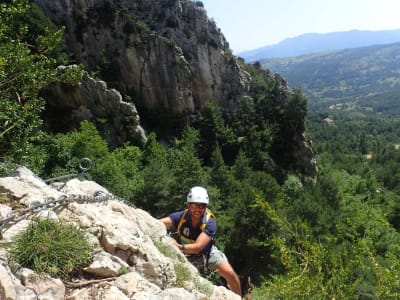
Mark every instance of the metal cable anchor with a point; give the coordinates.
(84, 165)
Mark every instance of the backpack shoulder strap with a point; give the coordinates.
(209, 214)
(182, 220)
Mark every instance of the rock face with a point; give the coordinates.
(305, 158)
(133, 257)
(168, 55)
(68, 105)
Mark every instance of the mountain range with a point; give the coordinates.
(366, 77)
(315, 42)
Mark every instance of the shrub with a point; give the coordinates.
(47, 246)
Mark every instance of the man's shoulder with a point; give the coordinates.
(211, 221)
(176, 215)
(209, 216)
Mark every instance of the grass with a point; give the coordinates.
(182, 274)
(204, 287)
(53, 248)
(166, 250)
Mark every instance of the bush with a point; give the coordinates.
(47, 246)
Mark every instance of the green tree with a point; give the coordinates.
(221, 175)
(289, 125)
(246, 234)
(214, 132)
(65, 150)
(185, 166)
(363, 143)
(158, 178)
(121, 172)
(254, 132)
(24, 70)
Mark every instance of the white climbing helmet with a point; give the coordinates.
(198, 194)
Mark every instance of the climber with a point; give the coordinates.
(196, 229)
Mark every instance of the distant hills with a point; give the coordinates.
(315, 42)
(367, 77)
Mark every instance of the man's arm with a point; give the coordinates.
(167, 221)
(202, 240)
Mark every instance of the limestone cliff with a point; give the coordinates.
(133, 258)
(68, 105)
(166, 54)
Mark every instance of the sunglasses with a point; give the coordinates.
(198, 205)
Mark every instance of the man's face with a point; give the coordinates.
(197, 209)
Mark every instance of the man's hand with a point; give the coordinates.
(174, 242)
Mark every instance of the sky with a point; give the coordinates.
(251, 24)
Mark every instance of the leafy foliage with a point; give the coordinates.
(119, 170)
(24, 70)
(346, 265)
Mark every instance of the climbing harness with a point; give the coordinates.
(200, 261)
(207, 215)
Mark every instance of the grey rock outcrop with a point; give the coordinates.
(68, 105)
(305, 158)
(128, 262)
(167, 54)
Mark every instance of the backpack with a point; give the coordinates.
(206, 216)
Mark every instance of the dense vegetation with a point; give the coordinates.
(337, 238)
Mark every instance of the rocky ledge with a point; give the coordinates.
(133, 258)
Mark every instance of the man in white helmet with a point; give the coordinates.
(196, 229)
